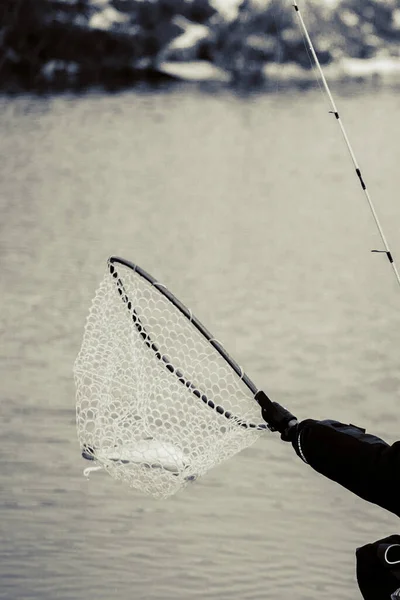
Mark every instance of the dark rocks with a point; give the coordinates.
(49, 45)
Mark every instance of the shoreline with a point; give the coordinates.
(380, 71)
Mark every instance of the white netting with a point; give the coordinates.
(143, 423)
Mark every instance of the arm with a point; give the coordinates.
(362, 463)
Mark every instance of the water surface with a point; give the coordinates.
(249, 210)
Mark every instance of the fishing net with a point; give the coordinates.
(159, 402)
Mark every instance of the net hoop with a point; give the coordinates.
(162, 289)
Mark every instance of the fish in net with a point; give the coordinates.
(159, 402)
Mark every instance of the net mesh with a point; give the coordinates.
(157, 405)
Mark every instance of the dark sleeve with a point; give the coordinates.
(360, 462)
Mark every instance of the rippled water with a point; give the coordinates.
(249, 211)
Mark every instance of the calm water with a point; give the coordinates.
(249, 211)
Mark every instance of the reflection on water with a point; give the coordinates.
(248, 209)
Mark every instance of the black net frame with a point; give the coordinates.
(113, 262)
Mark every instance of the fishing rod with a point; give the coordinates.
(335, 112)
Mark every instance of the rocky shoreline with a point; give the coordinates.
(58, 45)
(374, 70)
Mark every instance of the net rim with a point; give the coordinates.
(163, 290)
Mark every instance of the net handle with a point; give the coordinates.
(115, 260)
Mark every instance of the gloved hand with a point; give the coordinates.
(277, 417)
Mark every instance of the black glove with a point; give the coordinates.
(277, 417)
